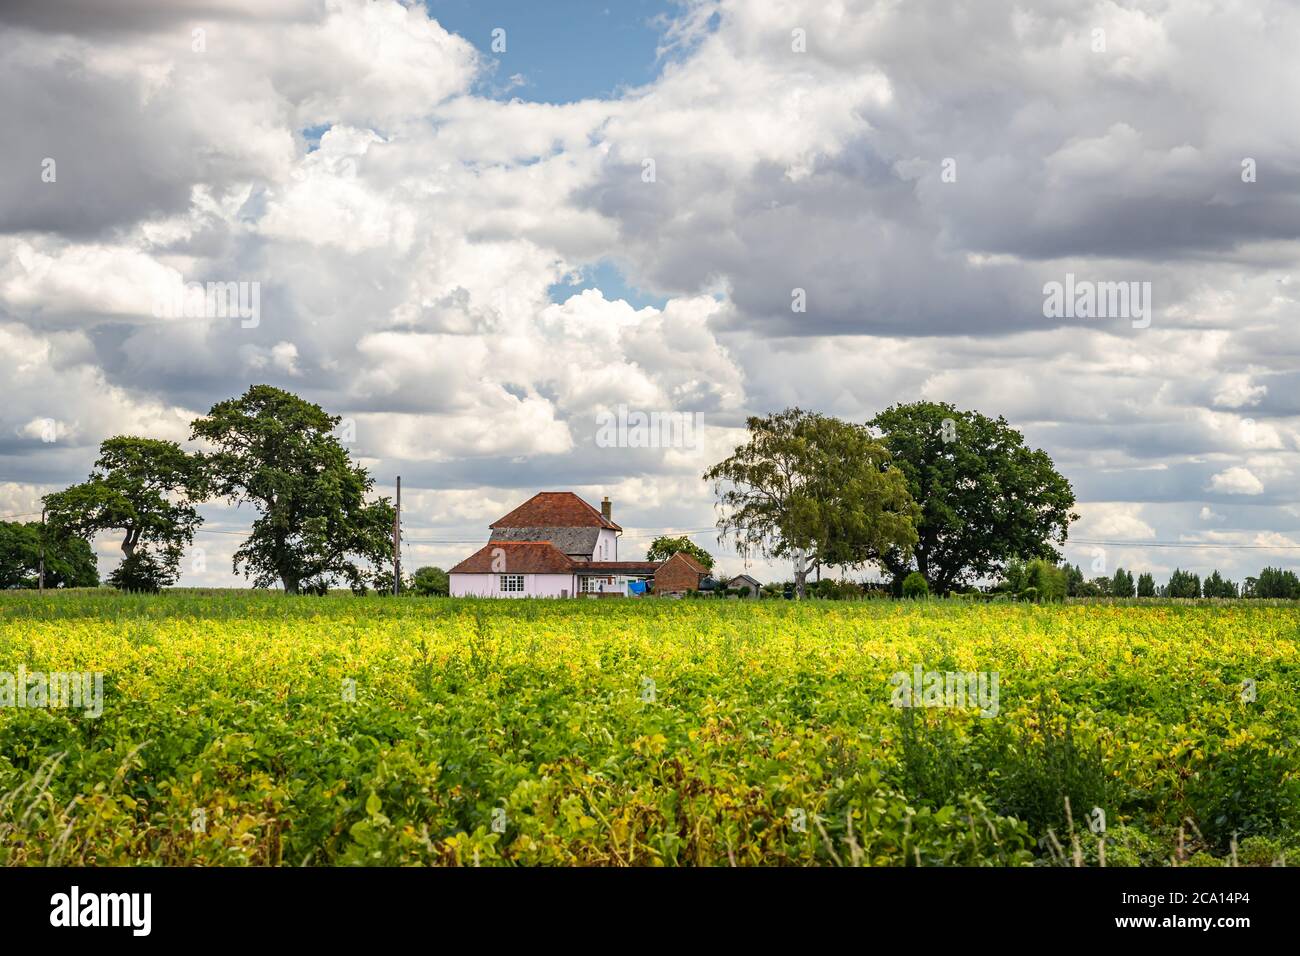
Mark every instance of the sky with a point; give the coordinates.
(473, 226)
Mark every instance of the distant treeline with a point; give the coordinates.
(1040, 580)
(69, 560)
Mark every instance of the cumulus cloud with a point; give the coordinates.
(1236, 481)
(1113, 520)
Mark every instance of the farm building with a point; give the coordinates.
(557, 545)
(741, 581)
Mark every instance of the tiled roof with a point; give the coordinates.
(518, 557)
(572, 541)
(555, 509)
(690, 562)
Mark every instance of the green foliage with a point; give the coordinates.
(69, 560)
(142, 573)
(1183, 584)
(915, 586)
(1074, 582)
(1121, 585)
(236, 703)
(832, 590)
(984, 497)
(1046, 764)
(19, 545)
(278, 452)
(1217, 587)
(380, 581)
(1146, 585)
(1050, 582)
(1246, 787)
(1276, 583)
(933, 757)
(145, 488)
(663, 548)
(1036, 580)
(431, 582)
(812, 488)
(1015, 577)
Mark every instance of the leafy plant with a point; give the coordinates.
(915, 586)
(391, 731)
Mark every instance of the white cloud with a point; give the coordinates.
(1112, 521)
(1236, 481)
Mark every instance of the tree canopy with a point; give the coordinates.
(277, 452)
(1183, 584)
(144, 488)
(1274, 583)
(431, 582)
(664, 547)
(69, 560)
(984, 497)
(815, 489)
(1122, 584)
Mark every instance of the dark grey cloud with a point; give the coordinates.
(97, 16)
(106, 174)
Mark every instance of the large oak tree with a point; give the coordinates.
(144, 488)
(278, 452)
(985, 497)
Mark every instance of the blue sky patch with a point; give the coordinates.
(564, 50)
(609, 279)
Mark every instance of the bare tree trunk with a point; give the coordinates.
(800, 574)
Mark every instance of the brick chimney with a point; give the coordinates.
(606, 509)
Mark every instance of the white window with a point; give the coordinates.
(512, 582)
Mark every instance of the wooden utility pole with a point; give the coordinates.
(397, 541)
(40, 573)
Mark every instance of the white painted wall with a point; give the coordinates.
(606, 546)
(489, 585)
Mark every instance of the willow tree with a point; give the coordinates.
(813, 489)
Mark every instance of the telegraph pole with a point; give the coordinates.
(40, 574)
(397, 541)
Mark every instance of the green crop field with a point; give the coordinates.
(241, 728)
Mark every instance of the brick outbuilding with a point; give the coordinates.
(679, 574)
